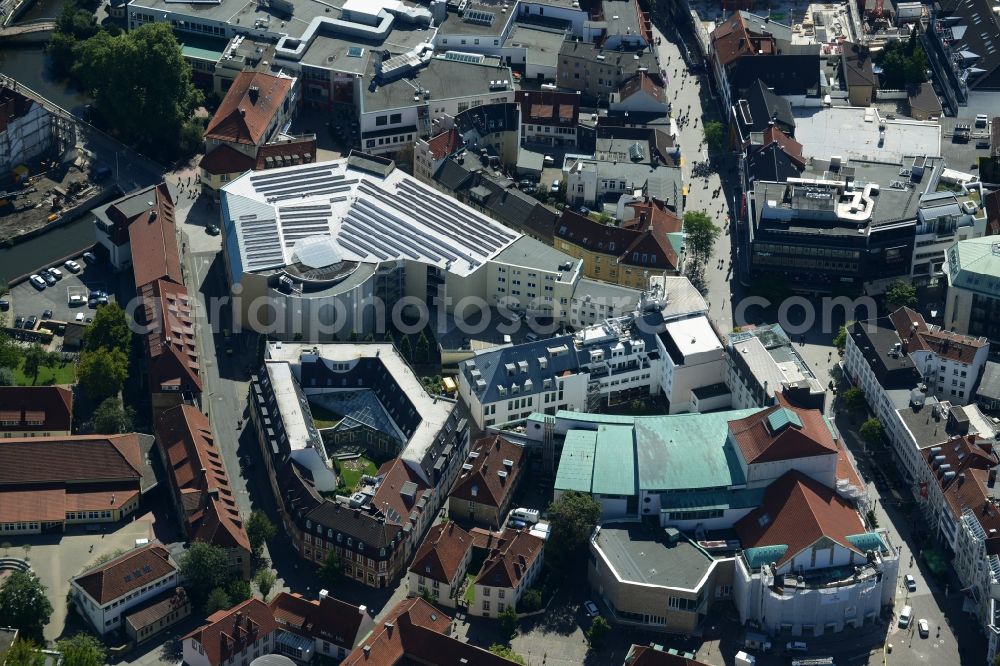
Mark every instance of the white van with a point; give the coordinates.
(529, 516)
(905, 616)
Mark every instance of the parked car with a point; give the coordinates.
(591, 608)
(4, 305)
(516, 524)
(584, 211)
(911, 582)
(796, 646)
(30, 324)
(77, 300)
(37, 281)
(56, 273)
(212, 230)
(555, 185)
(49, 278)
(923, 628)
(72, 266)
(19, 321)
(102, 299)
(90, 257)
(79, 316)
(905, 616)
(47, 314)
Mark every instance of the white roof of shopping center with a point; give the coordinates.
(346, 210)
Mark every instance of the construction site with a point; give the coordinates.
(44, 178)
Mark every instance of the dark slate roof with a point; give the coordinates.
(875, 339)
(856, 62)
(989, 385)
(770, 163)
(505, 203)
(453, 175)
(975, 30)
(793, 71)
(760, 107)
(489, 118)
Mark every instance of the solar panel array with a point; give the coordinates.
(261, 246)
(479, 17)
(299, 184)
(458, 56)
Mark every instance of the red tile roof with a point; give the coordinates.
(152, 235)
(228, 632)
(442, 553)
(629, 242)
(415, 632)
(483, 484)
(732, 40)
(170, 343)
(650, 84)
(198, 475)
(249, 107)
(226, 159)
(42, 504)
(328, 619)
(126, 573)
(71, 459)
(445, 143)
(969, 460)
(52, 405)
(760, 442)
(399, 492)
(797, 512)
(511, 559)
(548, 107)
(916, 335)
(792, 148)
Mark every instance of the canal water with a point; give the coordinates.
(47, 248)
(27, 62)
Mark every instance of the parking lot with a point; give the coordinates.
(26, 300)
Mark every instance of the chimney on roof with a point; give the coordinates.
(253, 94)
(243, 112)
(323, 594)
(362, 610)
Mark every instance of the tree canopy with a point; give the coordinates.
(597, 634)
(102, 373)
(111, 418)
(82, 650)
(573, 517)
(871, 431)
(260, 530)
(23, 604)
(36, 358)
(265, 580)
(217, 600)
(899, 294)
(715, 136)
(23, 652)
(854, 398)
(507, 653)
(329, 571)
(205, 567)
(109, 330)
(903, 63)
(700, 234)
(141, 86)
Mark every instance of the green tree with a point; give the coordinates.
(329, 571)
(36, 358)
(111, 418)
(903, 63)
(700, 234)
(23, 604)
(840, 342)
(260, 530)
(871, 431)
(238, 590)
(109, 330)
(854, 398)
(508, 620)
(217, 600)
(23, 652)
(900, 294)
(7, 377)
(141, 86)
(532, 600)
(60, 50)
(507, 653)
(423, 353)
(573, 517)
(265, 580)
(102, 373)
(205, 567)
(81, 650)
(191, 138)
(715, 136)
(10, 351)
(597, 634)
(405, 348)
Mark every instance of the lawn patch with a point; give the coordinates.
(64, 373)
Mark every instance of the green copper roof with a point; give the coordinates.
(663, 453)
(758, 557)
(576, 464)
(614, 461)
(867, 541)
(781, 418)
(974, 264)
